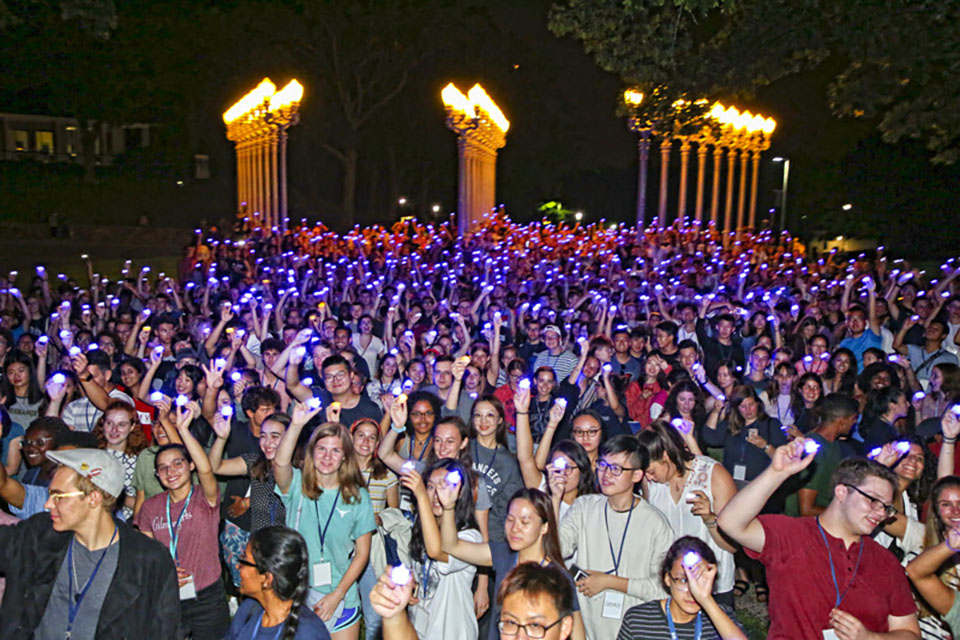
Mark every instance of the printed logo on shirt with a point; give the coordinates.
(159, 523)
(343, 512)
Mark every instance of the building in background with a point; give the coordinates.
(57, 139)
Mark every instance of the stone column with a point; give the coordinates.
(643, 146)
(755, 156)
(701, 171)
(684, 167)
(731, 171)
(741, 204)
(665, 146)
(715, 192)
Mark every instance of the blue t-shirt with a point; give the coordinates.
(347, 523)
(15, 431)
(867, 340)
(246, 625)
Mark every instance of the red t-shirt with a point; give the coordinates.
(801, 588)
(198, 546)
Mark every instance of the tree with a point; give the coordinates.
(898, 59)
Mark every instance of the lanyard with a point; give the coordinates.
(75, 600)
(426, 445)
(698, 626)
(323, 530)
(175, 537)
(476, 455)
(256, 630)
(623, 538)
(833, 571)
(425, 576)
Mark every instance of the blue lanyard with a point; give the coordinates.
(175, 537)
(75, 600)
(698, 626)
(476, 455)
(623, 539)
(323, 530)
(256, 630)
(833, 571)
(426, 445)
(425, 576)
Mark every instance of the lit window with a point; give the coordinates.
(44, 141)
(71, 140)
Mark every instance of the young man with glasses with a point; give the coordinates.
(535, 600)
(828, 578)
(77, 573)
(616, 574)
(336, 388)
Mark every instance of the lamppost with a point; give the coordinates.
(783, 191)
(645, 129)
(257, 124)
(481, 130)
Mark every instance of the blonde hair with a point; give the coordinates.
(348, 475)
(84, 484)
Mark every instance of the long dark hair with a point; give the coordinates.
(544, 508)
(35, 392)
(575, 451)
(699, 413)
(662, 438)
(261, 469)
(493, 401)
(282, 552)
(464, 509)
(849, 379)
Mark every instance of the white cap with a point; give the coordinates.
(96, 465)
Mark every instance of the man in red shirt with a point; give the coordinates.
(828, 579)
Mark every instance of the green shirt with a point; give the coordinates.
(816, 477)
(953, 616)
(144, 474)
(347, 523)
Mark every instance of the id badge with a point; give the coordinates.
(321, 574)
(189, 590)
(613, 605)
(830, 634)
(739, 472)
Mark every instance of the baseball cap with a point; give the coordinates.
(554, 328)
(96, 465)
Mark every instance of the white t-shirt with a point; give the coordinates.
(445, 611)
(82, 415)
(371, 353)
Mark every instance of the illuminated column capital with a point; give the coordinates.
(482, 129)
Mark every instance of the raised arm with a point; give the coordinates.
(283, 461)
(230, 466)
(428, 523)
(476, 553)
(738, 519)
(208, 482)
(388, 444)
(950, 424)
(546, 440)
(923, 569)
(528, 466)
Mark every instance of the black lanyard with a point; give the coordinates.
(75, 600)
(324, 528)
(616, 557)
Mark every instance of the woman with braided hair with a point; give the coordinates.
(273, 576)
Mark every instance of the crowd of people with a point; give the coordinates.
(557, 430)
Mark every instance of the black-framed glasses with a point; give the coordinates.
(613, 468)
(875, 504)
(247, 563)
(531, 629)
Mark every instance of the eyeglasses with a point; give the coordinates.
(422, 414)
(566, 471)
(247, 563)
(614, 469)
(875, 504)
(531, 629)
(39, 442)
(589, 433)
(57, 497)
(122, 425)
(681, 582)
(334, 377)
(179, 463)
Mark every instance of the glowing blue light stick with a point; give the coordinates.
(58, 378)
(811, 446)
(400, 575)
(690, 559)
(182, 400)
(313, 403)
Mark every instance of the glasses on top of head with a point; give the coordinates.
(875, 504)
(614, 469)
(531, 629)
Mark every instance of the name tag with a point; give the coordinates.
(613, 605)
(321, 574)
(189, 590)
(739, 472)
(830, 634)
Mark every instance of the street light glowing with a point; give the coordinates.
(261, 93)
(476, 100)
(289, 95)
(632, 97)
(847, 207)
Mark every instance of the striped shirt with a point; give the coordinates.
(647, 621)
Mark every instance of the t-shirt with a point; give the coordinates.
(504, 559)
(378, 487)
(801, 588)
(129, 463)
(445, 607)
(499, 468)
(366, 408)
(648, 621)
(817, 476)
(348, 521)
(34, 499)
(867, 340)
(247, 624)
(266, 507)
(953, 616)
(24, 412)
(53, 625)
(198, 547)
(15, 432)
